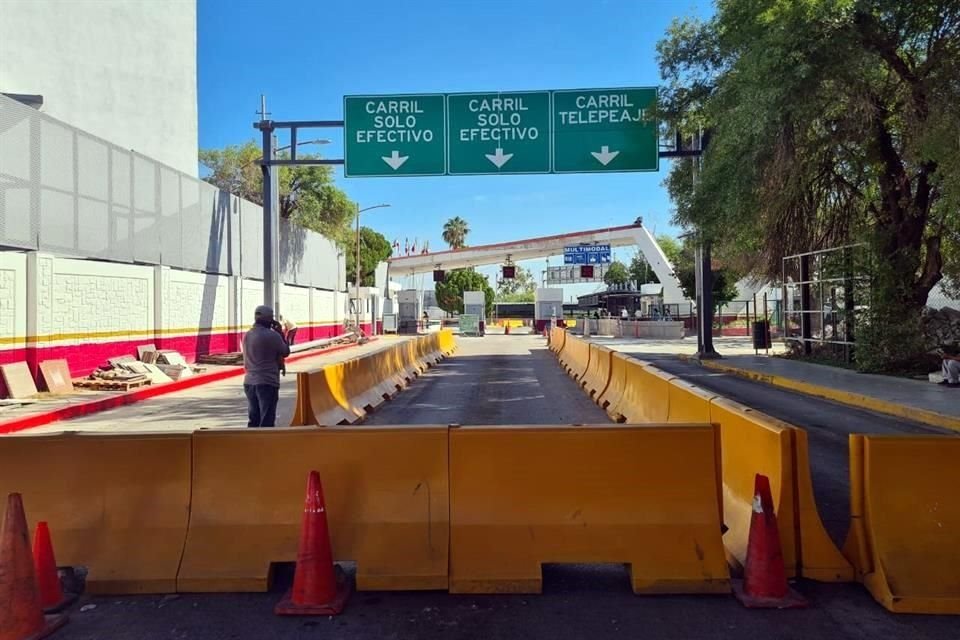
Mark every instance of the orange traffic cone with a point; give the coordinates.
(21, 616)
(52, 597)
(764, 585)
(319, 588)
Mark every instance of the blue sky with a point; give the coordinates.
(305, 55)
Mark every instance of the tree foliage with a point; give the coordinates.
(455, 232)
(832, 122)
(374, 249)
(520, 288)
(308, 195)
(617, 274)
(450, 291)
(640, 271)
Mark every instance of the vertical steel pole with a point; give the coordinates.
(357, 265)
(806, 331)
(275, 232)
(705, 285)
(269, 240)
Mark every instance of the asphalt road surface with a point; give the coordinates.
(511, 380)
(828, 426)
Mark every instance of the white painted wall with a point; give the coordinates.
(295, 304)
(124, 70)
(193, 300)
(89, 297)
(13, 300)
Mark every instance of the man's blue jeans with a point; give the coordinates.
(261, 404)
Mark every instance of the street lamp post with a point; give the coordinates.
(356, 265)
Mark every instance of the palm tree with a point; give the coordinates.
(455, 232)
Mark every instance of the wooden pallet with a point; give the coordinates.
(221, 358)
(100, 384)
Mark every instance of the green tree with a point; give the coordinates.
(374, 249)
(640, 271)
(831, 122)
(308, 195)
(455, 232)
(450, 291)
(671, 248)
(518, 289)
(617, 274)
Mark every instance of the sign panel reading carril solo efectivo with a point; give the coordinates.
(563, 131)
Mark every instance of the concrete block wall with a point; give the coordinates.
(86, 311)
(79, 309)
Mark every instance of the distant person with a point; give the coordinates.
(637, 315)
(950, 369)
(426, 320)
(263, 352)
(624, 314)
(289, 329)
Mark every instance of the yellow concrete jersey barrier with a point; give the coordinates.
(644, 495)
(117, 504)
(344, 393)
(752, 442)
(597, 376)
(448, 344)
(557, 338)
(609, 399)
(905, 521)
(645, 395)
(387, 500)
(575, 357)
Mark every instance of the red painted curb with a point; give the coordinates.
(138, 395)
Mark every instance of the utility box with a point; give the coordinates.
(547, 306)
(408, 311)
(475, 304)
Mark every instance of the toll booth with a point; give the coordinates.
(547, 305)
(408, 311)
(474, 306)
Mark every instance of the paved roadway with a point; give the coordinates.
(504, 380)
(828, 425)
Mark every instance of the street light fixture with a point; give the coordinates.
(357, 263)
(300, 144)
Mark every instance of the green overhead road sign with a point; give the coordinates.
(394, 135)
(498, 133)
(563, 131)
(605, 130)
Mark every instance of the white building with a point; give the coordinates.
(124, 70)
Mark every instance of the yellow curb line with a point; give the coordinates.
(845, 397)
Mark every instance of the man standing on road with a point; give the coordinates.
(263, 352)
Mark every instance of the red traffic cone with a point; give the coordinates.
(764, 585)
(52, 597)
(319, 588)
(21, 616)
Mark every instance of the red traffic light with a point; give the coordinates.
(586, 271)
(439, 276)
(509, 272)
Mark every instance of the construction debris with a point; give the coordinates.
(124, 373)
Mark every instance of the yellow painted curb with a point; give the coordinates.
(845, 397)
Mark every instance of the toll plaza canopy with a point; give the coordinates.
(533, 248)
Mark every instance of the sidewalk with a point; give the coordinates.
(733, 345)
(913, 399)
(216, 405)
